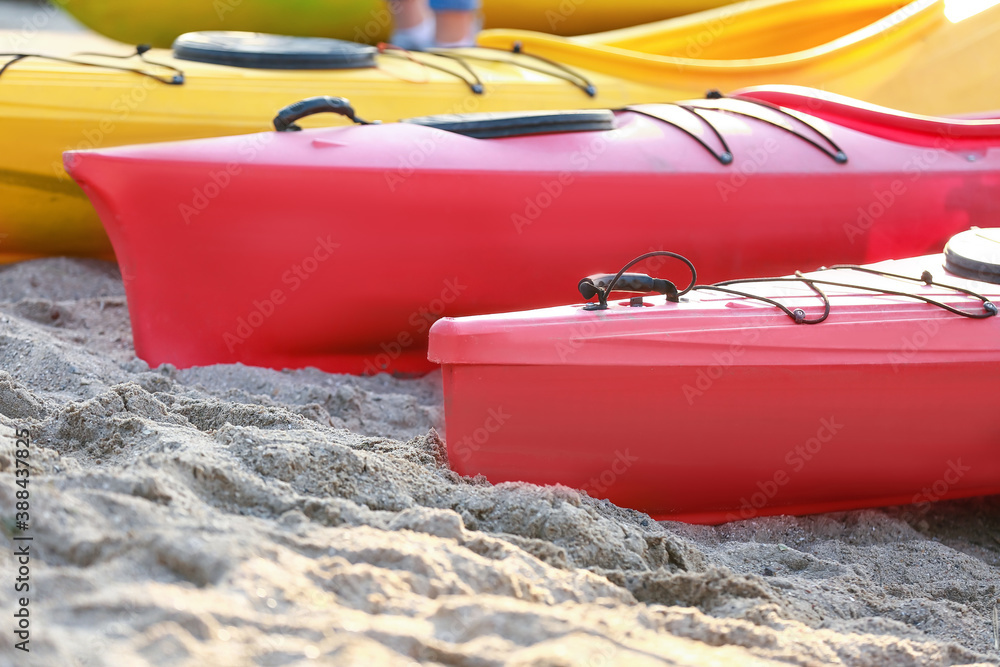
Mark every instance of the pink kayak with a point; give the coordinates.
(723, 403)
(338, 247)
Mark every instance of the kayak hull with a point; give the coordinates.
(720, 409)
(751, 442)
(363, 236)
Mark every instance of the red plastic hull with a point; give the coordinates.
(707, 412)
(757, 444)
(338, 248)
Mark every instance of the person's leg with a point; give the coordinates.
(413, 24)
(457, 22)
(408, 14)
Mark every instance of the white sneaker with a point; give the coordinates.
(415, 38)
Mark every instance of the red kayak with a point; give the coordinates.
(337, 248)
(721, 403)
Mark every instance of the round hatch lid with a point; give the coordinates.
(261, 51)
(496, 125)
(975, 254)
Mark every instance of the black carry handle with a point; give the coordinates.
(603, 284)
(628, 282)
(285, 120)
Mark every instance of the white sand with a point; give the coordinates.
(240, 516)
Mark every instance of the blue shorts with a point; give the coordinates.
(454, 5)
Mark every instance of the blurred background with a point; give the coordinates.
(34, 15)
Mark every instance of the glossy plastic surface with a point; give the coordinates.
(910, 56)
(980, 133)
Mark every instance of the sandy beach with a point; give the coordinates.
(232, 516)
(239, 516)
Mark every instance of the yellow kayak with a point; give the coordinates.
(915, 58)
(158, 22)
(928, 56)
(48, 107)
